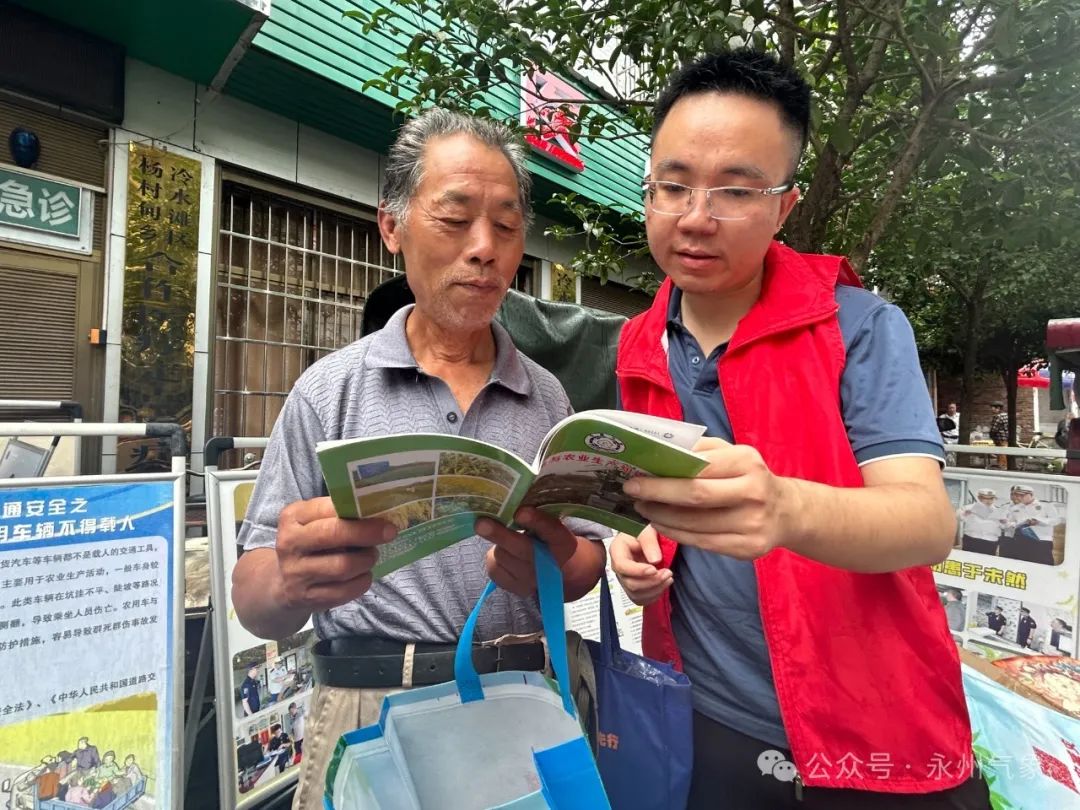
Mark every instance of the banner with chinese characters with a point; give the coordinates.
(158, 342)
(261, 728)
(1011, 584)
(88, 639)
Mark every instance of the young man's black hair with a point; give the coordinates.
(747, 72)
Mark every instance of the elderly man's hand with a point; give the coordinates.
(326, 561)
(510, 559)
(736, 506)
(636, 562)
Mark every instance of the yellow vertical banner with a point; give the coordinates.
(158, 342)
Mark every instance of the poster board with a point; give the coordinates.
(91, 620)
(263, 688)
(1010, 586)
(583, 616)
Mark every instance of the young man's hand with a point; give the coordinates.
(735, 506)
(636, 562)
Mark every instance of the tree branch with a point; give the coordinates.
(787, 37)
(1012, 77)
(847, 55)
(954, 282)
(930, 86)
(788, 24)
(901, 171)
(993, 140)
(826, 61)
(974, 18)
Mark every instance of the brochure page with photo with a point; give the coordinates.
(433, 487)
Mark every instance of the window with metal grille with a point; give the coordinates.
(292, 279)
(525, 278)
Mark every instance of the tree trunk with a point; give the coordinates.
(901, 171)
(974, 309)
(967, 376)
(787, 35)
(1009, 375)
(806, 227)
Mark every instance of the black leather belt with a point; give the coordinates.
(374, 663)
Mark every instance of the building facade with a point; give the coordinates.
(227, 167)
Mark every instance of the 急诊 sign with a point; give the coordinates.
(34, 203)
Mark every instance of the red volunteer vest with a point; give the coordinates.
(865, 669)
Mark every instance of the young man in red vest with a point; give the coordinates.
(799, 602)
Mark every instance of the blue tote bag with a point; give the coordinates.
(503, 740)
(644, 723)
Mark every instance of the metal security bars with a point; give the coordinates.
(292, 279)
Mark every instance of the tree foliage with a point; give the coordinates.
(980, 262)
(893, 80)
(943, 154)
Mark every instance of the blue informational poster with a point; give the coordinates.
(88, 638)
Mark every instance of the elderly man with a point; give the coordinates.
(456, 207)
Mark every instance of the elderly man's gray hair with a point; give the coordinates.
(405, 161)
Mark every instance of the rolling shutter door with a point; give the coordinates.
(612, 297)
(38, 312)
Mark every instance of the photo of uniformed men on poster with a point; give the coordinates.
(1018, 521)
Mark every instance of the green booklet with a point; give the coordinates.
(433, 487)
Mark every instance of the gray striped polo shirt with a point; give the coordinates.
(374, 387)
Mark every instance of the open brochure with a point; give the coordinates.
(433, 487)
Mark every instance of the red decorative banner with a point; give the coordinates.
(549, 119)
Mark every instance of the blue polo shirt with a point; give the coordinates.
(887, 412)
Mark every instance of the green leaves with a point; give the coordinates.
(840, 137)
(992, 162)
(1012, 195)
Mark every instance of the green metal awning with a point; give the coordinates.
(200, 40)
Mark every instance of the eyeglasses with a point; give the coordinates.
(721, 202)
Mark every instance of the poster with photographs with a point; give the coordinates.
(1010, 586)
(268, 683)
(270, 706)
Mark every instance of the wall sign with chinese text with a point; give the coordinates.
(89, 619)
(1011, 584)
(36, 209)
(550, 120)
(158, 343)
